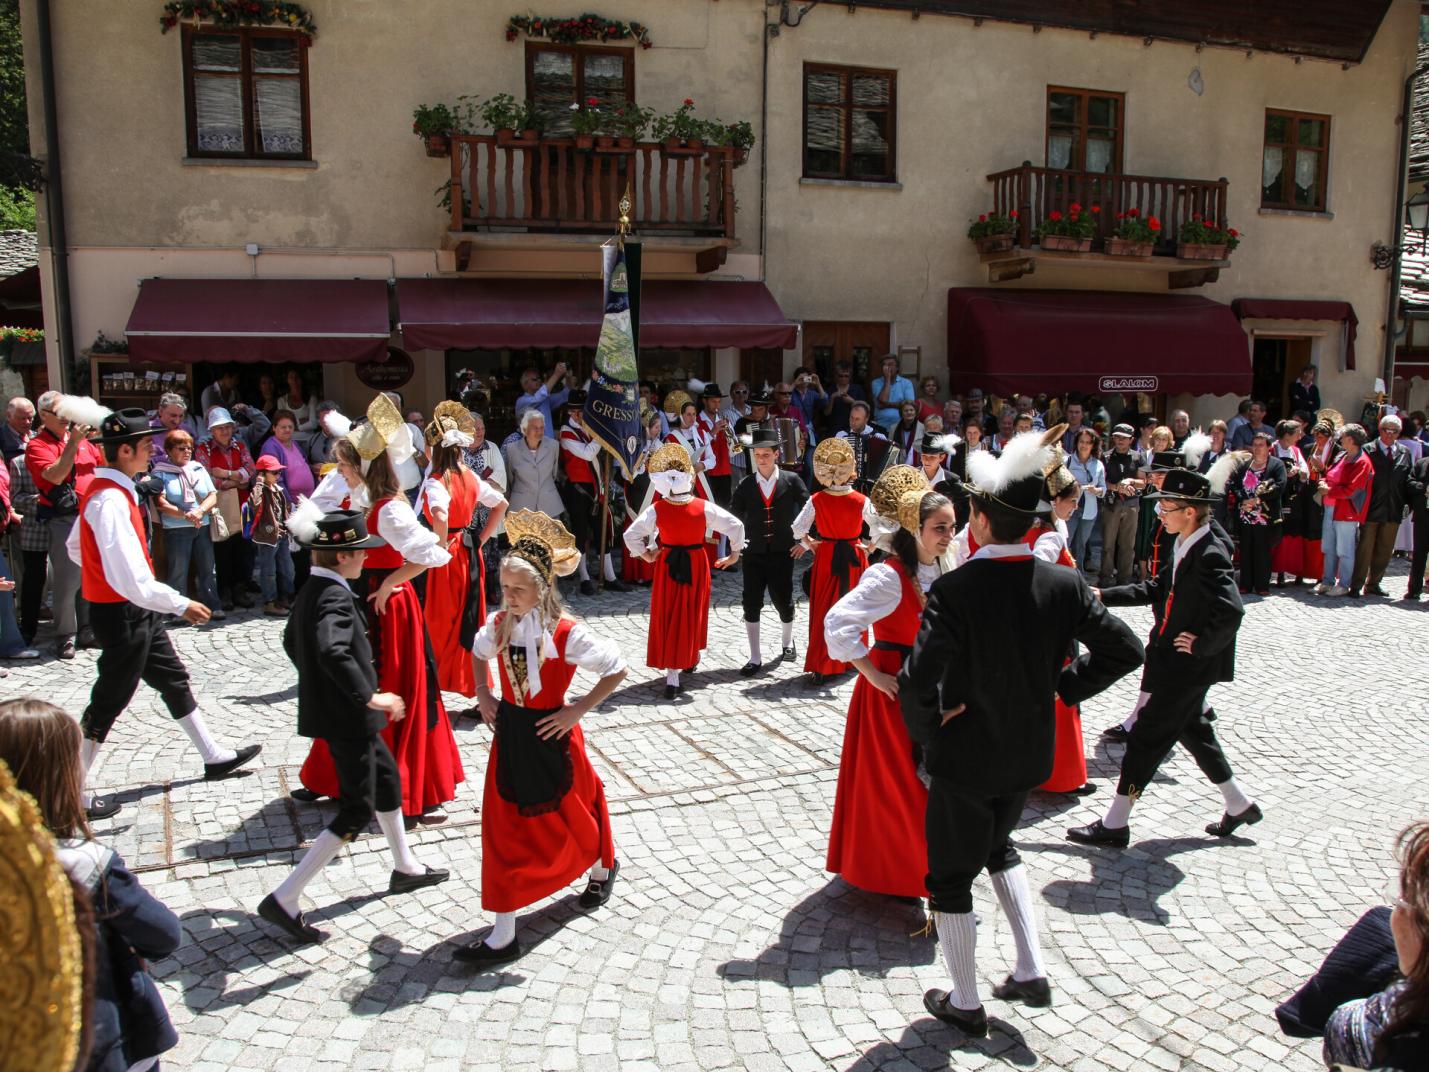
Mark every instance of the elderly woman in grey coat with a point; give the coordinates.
(532, 463)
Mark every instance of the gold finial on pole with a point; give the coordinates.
(625, 205)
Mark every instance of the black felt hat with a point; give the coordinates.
(763, 437)
(1185, 485)
(126, 425)
(1165, 461)
(761, 399)
(711, 391)
(340, 530)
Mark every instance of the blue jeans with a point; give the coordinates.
(1337, 540)
(275, 570)
(188, 543)
(1079, 537)
(11, 642)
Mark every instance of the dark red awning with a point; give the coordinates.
(1052, 341)
(259, 320)
(1281, 309)
(490, 314)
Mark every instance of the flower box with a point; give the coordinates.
(1125, 247)
(438, 145)
(683, 147)
(1201, 251)
(740, 156)
(993, 243)
(605, 142)
(585, 141)
(1068, 243)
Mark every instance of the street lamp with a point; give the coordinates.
(1417, 209)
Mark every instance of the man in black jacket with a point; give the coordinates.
(1387, 496)
(767, 502)
(1419, 510)
(338, 701)
(977, 695)
(1197, 610)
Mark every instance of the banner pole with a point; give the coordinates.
(604, 516)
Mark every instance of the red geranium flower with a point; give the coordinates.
(1054, 215)
(1233, 233)
(689, 103)
(592, 102)
(1096, 210)
(1012, 215)
(1133, 213)
(982, 218)
(1121, 215)
(1196, 216)
(1153, 223)
(1074, 207)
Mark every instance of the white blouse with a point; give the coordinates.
(805, 521)
(436, 495)
(1049, 545)
(397, 524)
(875, 596)
(643, 533)
(584, 649)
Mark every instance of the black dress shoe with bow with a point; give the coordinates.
(671, 691)
(1098, 833)
(305, 795)
(815, 680)
(1036, 993)
(212, 771)
(971, 1022)
(294, 927)
(401, 882)
(484, 956)
(1116, 733)
(596, 893)
(1229, 823)
(789, 653)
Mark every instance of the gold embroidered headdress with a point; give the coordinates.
(897, 495)
(834, 464)
(451, 425)
(543, 542)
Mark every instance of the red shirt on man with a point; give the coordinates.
(44, 450)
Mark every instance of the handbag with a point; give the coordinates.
(227, 517)
(218, 529)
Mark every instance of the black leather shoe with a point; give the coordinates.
(482, 955)
(86, 638)
(295, 927)
(616, 585)
(401, 882)
(1116, 733)
(1086, 789)
(671, 691)
(102, 808)
(971, 1022)
(1098, 833)
(65, 648)
(307, 796)
(1034, 992)
(1353, 593)
(1230, 823)
(789, 653)
(1411, 597)
(814, 680)
(212, 771)
(750, 669)
(1374, 590)
(587, 588)
(596, 893)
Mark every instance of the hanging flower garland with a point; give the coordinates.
(232, 13)
(569, 31)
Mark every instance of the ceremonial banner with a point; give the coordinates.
(612, 406)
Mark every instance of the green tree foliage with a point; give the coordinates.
(17, 205)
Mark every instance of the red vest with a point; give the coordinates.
(577, 469)
(901, 627)
(720, 444)
(556, 674)
(386, 556)
(838, 517)
(93, 585)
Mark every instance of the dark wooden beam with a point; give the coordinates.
(1193, 277)
(707, 260)
(1015, 268)
(463, 256)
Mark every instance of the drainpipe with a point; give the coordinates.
(1397, 231)
(54, 198)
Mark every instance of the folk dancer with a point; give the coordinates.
(422, 743)
(671, 532)
(700, 448)
(339, 703)
(1197, 610)
(932, 458)
(766, 503)
(977, 696)
(455, 604)
(544, 818)
(878, 840)
(584, 494)
(838, 512)
(128, 605)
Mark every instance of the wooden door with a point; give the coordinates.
(859, 343)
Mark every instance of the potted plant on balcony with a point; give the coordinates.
(1135, 236)
(681, 132)
(434, 123)
(585, 121)
(992, 232)
(627, 123)
(741, 138)
(1070, 231)
(510, 120)
(1202, 240)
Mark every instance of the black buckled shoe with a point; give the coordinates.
(102, 808)
(671, 691)
(815, 680)
(401, 882)
(596, 893)
(789, 653)
(1098, 833)
(750, 669)
(971, 1022)
(1229, 823)
(295, 927)
(484, 956)
(1036, 993)
(305, 795)
(1116, 733)
(587, 588)
(212, 771)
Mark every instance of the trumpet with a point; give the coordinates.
(735, 446)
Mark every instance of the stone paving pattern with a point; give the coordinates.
(726, 944)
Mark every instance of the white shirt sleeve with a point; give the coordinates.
(707, 455)
(330, 492)
(497, 462)
(589, 451)
(874, 598)
(805, 521)
(597, 655)
(487, 495)
(720, 520)
(484, 646)
(1049, 546)
(125, 568)
(642, 533)
(397, 524)
(436, 494)
(870, 515)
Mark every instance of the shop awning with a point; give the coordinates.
(259, 320)
(491, 314)
(1282, 309)
(1052, 341)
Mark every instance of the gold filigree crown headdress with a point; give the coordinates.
(449, 417)
(670, 456)
(897, 495)
(834, 463)
(542, 541)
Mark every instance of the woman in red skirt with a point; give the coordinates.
(455, 604)
(544, 821)
(633, 568)
(877, 841)
(838, 513)
(671, 533)
(422, 743)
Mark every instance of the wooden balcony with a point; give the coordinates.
(569, 198)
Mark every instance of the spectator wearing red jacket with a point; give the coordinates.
(1346, 491)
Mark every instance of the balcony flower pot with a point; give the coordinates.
(585, 141)
(740, 156)
(438, 145)
(683, 146)
(1201, 251)
(1067, 243)
(993, 243)
(625, 145)
(605, 142)
(529, 136)
(1125, 247)
(505, 136)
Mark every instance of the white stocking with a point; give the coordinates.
(88, 753)
(786, 634)
(1015, 896)
(583, 574)
(1119, 814)
(672, 677)
(609, 567)
(599, 872)
(1236, 800)
(957, 936)
(751, 630)
(197, 730)
(503, 930)
(1136, 711)
(309, 867)
(396, 834)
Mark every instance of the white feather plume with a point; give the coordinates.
(335, 424)
(1026, 455)
(695, 386)
(303, 521)
(1195, 447)
(947, 443)
(1221, 470)
(81, 409)
(747, 440)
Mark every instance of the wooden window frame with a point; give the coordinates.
(251, 151)
(847, 107)
(1290, 149)
(626, 54)
(1085, 124)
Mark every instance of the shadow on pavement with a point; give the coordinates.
(930, 1043)
(216, 930)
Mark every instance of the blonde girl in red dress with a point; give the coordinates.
(671, 532)
(544, 821)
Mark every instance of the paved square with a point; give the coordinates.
(726, 944)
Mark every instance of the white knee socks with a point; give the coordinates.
(396, 834)
(323, 849)
(672, 677)
(957, 937)
(608, 567)
(1130, 720)
(583, 574)
(503, 930)
(786, 634)
(1015, 896)
(88, 753)
(599, 872)
(1236, 800)
(751, 630)
(1119, 814)
(197, 730)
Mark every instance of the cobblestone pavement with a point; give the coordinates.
(726, 944)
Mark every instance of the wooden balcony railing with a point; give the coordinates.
(1035, 192)
(551, 185)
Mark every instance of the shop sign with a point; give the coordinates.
(1121, 384)
(387, 375)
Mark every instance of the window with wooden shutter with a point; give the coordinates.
(558, 76)
(1295, 161)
